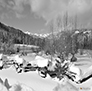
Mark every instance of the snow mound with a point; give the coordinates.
(2, 87)
(41, 62)
(65, 87)
(20, 87)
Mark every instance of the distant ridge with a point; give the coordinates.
(17, 36)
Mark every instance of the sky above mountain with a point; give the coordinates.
(33, 15)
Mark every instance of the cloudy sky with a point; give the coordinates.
(33, 15)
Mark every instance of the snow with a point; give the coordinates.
(20, 87)
(18, 59)
(41, 35)
(77, 71)
(24, 45)
(41, 62)
(76, 32)
(33, 80)
(1, 63)
(2, 87)
(74, 69)
(1, 55)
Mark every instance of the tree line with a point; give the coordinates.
(10, 36)
(70, 37)
(66, 40)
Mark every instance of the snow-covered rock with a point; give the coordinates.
(76, 32)
(41, 62)
(18, 59)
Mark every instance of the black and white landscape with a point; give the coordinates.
(45, 45)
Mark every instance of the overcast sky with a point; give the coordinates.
(32, 15)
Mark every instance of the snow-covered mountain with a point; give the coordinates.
(37, 35)
(27, 32)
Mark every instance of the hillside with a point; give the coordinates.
(70, 41)
(67, 40)
(10, 35)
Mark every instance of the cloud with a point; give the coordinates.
(4, 15)
(2, 87)
(19, 15)
(13, 6)
(2, 4)
(49, 9)
(17, 7)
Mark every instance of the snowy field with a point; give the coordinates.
(33, 80)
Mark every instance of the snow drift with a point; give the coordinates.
(20, 87)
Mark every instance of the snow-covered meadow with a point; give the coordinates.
(31, 79)
(37, 83)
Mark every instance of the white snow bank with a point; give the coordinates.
(20, 87)
(41, 62)
(66, 87)
(18, 59)
(2, 87)
(1, 63)
(1, 55)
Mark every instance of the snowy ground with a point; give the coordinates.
(33, 80)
